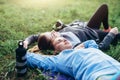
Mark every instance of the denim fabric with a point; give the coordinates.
(82, 64)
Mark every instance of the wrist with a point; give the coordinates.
(25, 43)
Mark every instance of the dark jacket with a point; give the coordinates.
(83, 32)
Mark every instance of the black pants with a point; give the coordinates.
(101, 16)
(105, 38)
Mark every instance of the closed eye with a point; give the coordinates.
(59, 40)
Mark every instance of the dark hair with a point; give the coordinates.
(44, 43)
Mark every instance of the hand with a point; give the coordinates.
(114, 30)
(25, 44)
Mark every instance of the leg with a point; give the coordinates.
(108, 39)
(100, 16)
(105, 43)
(101, 34)
(118, 36)
(116, 39)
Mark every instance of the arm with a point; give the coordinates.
(87, 44)
(105, 44)
(40, 61)
(90, 44)
(30, 39)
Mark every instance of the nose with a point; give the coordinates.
(64, 40)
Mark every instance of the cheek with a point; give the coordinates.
(63, 47)
(56, 47)
(59, 47)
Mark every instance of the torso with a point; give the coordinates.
(83, 33)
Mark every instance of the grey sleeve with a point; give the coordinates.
(32, 38)
(105, 44)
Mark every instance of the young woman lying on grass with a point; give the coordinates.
(84, 62)
(77, 34)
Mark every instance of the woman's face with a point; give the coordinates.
(60, 43)
(51, 35)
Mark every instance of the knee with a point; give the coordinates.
(105, 6)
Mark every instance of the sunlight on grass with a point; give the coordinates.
(40, 3)
(21, 18)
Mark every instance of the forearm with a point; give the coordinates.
(105, 44)
(31, 39)
(39, 61)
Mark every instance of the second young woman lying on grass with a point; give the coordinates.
(85, 62)
(77, 34)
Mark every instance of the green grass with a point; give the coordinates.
(20, 18)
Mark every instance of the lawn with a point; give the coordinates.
(21, 18)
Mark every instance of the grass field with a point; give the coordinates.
(20, 18)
